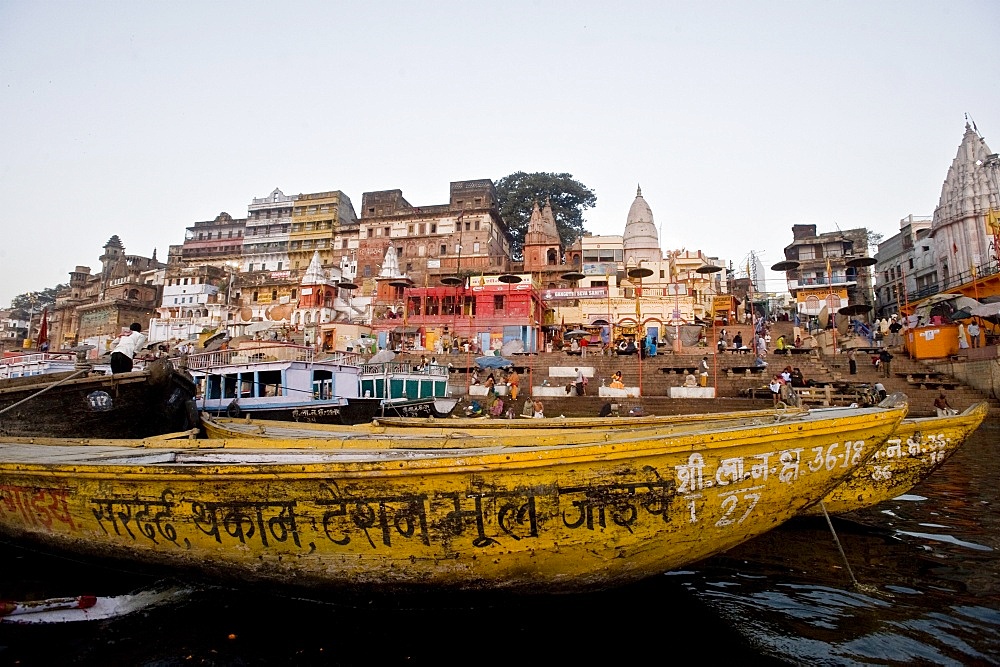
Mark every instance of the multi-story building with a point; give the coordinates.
(465, 236)
(192, 302)
(94, 310)
(318, 224)
(268, 226)
(906, 267)
(214, 242)
(823, 276)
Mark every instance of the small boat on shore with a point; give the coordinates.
(155, 400)
(439, 513)
(291, 383)
(918, 447)
(281, 381)
(223, 427)
(405, 390)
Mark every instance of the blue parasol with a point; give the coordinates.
(493, 362)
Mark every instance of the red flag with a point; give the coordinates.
(954, 248)
(43, 330)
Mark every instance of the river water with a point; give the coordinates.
(920, 586)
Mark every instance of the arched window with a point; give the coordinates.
(552, 257)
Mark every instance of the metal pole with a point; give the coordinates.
(638, 331)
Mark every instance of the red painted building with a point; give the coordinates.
(486, 311)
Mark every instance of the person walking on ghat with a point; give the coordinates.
(852, 361)
(885, 357)
(514, 380)
(703, 372)
(124, 351)
(579, 382)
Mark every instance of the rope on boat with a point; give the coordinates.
(51, 386)
(836, 541)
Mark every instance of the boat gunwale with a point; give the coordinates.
(452, 461)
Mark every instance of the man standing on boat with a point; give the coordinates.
(121, 356)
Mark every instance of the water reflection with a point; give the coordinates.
(927, 565)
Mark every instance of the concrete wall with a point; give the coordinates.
(983, 375)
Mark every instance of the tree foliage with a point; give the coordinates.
(873, 239)
(569, 198)
(36, 300)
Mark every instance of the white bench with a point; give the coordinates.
(692, 392)
(570, 371)
(480, 390)
(553, 391)
(626, 392)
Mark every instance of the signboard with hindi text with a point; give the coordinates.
(575, 293)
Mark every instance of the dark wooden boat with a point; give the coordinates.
(156, 400)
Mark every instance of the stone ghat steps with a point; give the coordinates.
(730, 387)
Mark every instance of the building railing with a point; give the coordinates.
(247, 354)
(954, 281)
(403, 368)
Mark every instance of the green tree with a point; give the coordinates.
(36, 300)
(873, 238)
(569, 199)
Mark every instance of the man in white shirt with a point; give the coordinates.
(124, 351)
(973, 333)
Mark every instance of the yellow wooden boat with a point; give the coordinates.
(532, 518)
(592, 430)
(917, 448)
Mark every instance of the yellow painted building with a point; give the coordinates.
(317, 220)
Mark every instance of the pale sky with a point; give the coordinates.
(738, 119)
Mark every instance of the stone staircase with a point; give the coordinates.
(728, 375)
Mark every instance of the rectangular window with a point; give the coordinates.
(444, 250)
(475, 247)
(409, 230)
(385, 231)
(434, 228)
(477, 225)
(279, 266)
(371, 232)
(498, 302)
(468, 225)
(423, 228)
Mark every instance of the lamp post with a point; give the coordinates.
(706, 270)
(32, 299)
(637, 274)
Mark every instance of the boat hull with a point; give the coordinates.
(138, 404)
(345, 412)
(916, 449)
(529, 519)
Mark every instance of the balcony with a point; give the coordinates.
(812, 283)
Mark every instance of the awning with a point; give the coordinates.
(259, 327)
